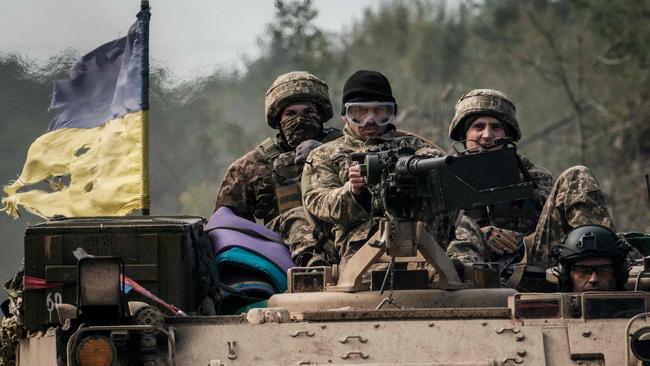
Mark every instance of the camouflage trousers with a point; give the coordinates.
(12, 330)
(297, 232)
(576, 199)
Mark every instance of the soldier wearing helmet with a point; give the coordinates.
(485, 104)
(482, 117)
(265, 183)
(591, 258)
(333, 189)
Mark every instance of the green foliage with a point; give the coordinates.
(292, 41)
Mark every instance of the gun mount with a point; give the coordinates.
(411, 190)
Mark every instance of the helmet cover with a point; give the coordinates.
(484, 102)
(295, 87)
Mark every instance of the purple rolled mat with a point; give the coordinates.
(226, 230)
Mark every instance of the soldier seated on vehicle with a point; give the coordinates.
(486, 234)
(591, 258)
(265, 183)
(333, 188)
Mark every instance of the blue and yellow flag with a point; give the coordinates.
(95, 149)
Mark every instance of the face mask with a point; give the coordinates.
(300, 128)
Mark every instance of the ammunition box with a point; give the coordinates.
(158, 252)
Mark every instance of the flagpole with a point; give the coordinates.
(143, 23)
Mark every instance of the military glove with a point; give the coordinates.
(501, 241)
(303, 150)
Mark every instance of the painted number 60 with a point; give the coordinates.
(52, 299)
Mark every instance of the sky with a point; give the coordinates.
(188, 37)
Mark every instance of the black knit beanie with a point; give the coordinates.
(367, 86)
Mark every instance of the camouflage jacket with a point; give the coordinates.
(12, 327)
(252, 183)
(327, 195)
(575, 199)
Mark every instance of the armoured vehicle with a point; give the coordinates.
(86, 306)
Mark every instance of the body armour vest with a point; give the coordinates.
(286, 173)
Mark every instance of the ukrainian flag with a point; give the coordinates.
(95, 152)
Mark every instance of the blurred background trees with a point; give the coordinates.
(577, 70)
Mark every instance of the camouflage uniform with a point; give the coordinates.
(575, 199)
(12, 329)
(264, 184)
(247, 188)
(556, 207)
(250, 184)
(327, 195)
(254, 182)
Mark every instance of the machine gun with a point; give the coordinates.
(410, 190)
(405, 184)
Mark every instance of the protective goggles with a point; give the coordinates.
(583, 270)
(361, 113)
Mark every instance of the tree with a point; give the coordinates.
(293, 41)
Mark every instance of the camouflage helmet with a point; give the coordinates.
(484, 102)
(295, 87)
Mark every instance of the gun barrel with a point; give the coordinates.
(417, 164)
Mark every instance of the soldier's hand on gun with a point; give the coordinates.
(501, 241)
(357, 184)
(303, 150)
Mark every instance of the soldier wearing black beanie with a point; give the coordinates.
(333, 190)
(367, 86)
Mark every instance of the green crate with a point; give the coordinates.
(158, 253)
